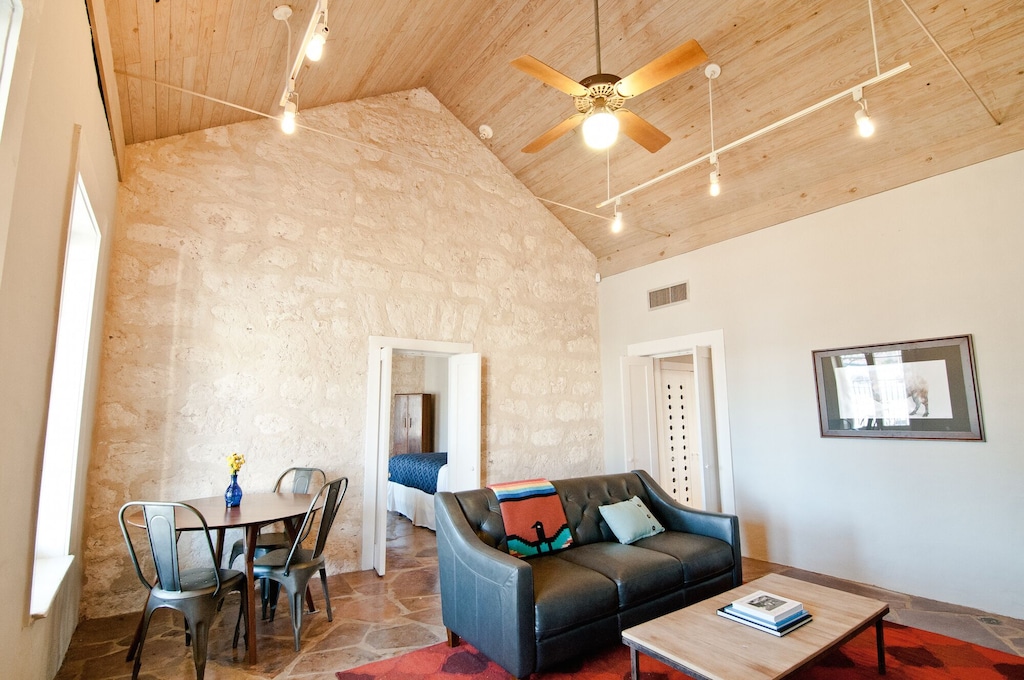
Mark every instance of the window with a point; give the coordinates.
(67, 387)
(10, 26)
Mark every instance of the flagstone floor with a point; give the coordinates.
(376, 618)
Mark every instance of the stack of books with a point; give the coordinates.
(768, 612)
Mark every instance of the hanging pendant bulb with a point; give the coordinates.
(288, 118)
(601, 128)
(714, 188)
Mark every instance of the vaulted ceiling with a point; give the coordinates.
(777, 58)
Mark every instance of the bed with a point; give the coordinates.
(413, 479)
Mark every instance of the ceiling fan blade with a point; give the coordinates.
(544, 73)
(640, 131)
(554, 133)
(667, 66)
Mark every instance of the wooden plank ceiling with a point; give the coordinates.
(777, 58)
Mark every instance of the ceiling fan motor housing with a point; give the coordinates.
(600, 86)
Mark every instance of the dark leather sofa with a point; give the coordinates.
(528, 615)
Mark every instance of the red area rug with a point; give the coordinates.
(910, 654)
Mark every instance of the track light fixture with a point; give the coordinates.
(617, 220)
(315, 47)
(864, 124)
(291, 109)
(714, 188)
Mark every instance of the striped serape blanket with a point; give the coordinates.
(534, 520)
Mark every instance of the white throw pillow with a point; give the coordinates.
(631, 520)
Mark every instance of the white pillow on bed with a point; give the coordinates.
(631, 520)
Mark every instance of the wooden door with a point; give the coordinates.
(679, 435)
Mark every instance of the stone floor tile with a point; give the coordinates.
(401, 637)
(416, 583)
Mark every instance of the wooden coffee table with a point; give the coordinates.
(700, 643)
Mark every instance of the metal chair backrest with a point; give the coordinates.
(161, 528)
(332, 493)
(302, 478)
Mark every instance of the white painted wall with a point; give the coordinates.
(54, 87)
(935, 258)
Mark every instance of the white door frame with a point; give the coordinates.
(686, 344)
(378, 416)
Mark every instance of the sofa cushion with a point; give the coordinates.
(631, 520)
(639, 575)
(567, 595)
(700, 557)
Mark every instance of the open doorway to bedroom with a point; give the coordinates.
(418, 448)
(450, 375)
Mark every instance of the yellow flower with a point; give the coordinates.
(235, 462)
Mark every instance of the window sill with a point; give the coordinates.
(47, 576)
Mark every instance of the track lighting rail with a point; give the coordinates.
(759, 133)
(317, 19)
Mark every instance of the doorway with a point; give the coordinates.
(676, 418)
(462, 427)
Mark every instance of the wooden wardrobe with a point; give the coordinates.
(412, 424)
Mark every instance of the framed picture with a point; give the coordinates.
(923, 389)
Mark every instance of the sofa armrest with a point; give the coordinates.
(486, 594)
(677, 517)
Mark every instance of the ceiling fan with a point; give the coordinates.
(599, 98)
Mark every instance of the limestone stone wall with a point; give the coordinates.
(248, 272)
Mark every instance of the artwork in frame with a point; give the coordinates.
(922, 389)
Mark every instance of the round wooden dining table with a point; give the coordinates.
(256, 510)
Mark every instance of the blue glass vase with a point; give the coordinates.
(233, 495)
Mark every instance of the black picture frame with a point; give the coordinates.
(921, 389)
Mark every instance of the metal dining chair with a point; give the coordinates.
(197, 592)
(303, 479)
(293, 567)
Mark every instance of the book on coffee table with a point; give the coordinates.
(766, 607)
(779, 629)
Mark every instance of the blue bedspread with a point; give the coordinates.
(418, 470)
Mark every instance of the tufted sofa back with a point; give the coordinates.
(581, 497)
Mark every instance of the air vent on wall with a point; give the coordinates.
(667, 296)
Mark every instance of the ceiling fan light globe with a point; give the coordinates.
(600, 130)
